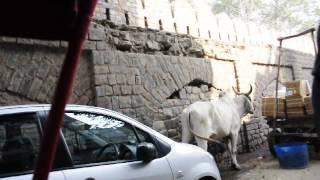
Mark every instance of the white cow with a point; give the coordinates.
(215, 120)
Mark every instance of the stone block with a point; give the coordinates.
(195, 90)
(98, 57)
(137, 89)
(129, 112)
(92, 45)
(121, 79)
(172, 133)
(131, 78)
(168, 112)
(97, 35)
(112, 79)
(171, 124)
(204, 88)
(102, 45)
(183, 94)
(108, 90)
(164, 132)
(137, 101)
(124, 36)
(104, 102)
(35, 88)
(115, 102)
(110, 57)
(126, 90)
(101, 69)
(117, 69)
(152, 46)
(158, 125)
(138, 80)
(16, 79)
(116, 90)
(100, 91)
(25, 86)
(188, 89)
(125, 101)
(123, 45)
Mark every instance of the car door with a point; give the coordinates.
(19, 146)
(104, 147)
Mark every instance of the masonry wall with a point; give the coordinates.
(195, 18)
(29, 73)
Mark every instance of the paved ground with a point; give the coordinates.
(261, 165)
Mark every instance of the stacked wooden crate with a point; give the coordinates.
(297, 102)
(297, 91)
(308, 105)
(269, 107)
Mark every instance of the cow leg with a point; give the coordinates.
(232, 147)
(202, 143)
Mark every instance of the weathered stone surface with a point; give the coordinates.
(104, 102)
(153, 46)
(121, 79)
(126, 90)
(195, 90)
(116, 90)
(197, 52)
(97, 35)
(125, 101)
(108, 90)
(101, 69)
(137, 101)
(124, 45)
(204, 88)
(112, 79)
(137, 89)
(102, 45)
(115, 102)
(35, 87)
(158, 125)
(98, 57)
(101, 91)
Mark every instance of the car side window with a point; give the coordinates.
(93, 138)
(19, 143)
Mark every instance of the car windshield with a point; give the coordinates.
(96, 128)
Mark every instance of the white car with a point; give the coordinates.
(97, 144)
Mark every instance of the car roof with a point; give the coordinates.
(4, 110)
(29, 108)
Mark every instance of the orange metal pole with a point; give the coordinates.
(63, 90)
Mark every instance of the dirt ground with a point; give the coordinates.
(261, 165)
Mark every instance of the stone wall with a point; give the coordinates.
(195, 18)
(29, 73)
(140, 85)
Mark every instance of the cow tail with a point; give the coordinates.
(186, 134)
(197, 135)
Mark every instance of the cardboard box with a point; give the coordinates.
(297, 88)
(269, 106)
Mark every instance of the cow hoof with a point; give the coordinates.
(236, 167)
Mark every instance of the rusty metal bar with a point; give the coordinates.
(296, 35)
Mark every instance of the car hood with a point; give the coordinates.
(191, 162)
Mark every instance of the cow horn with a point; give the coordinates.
(235, 91)
(250, 91)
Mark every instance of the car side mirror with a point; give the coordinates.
(146, 152)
